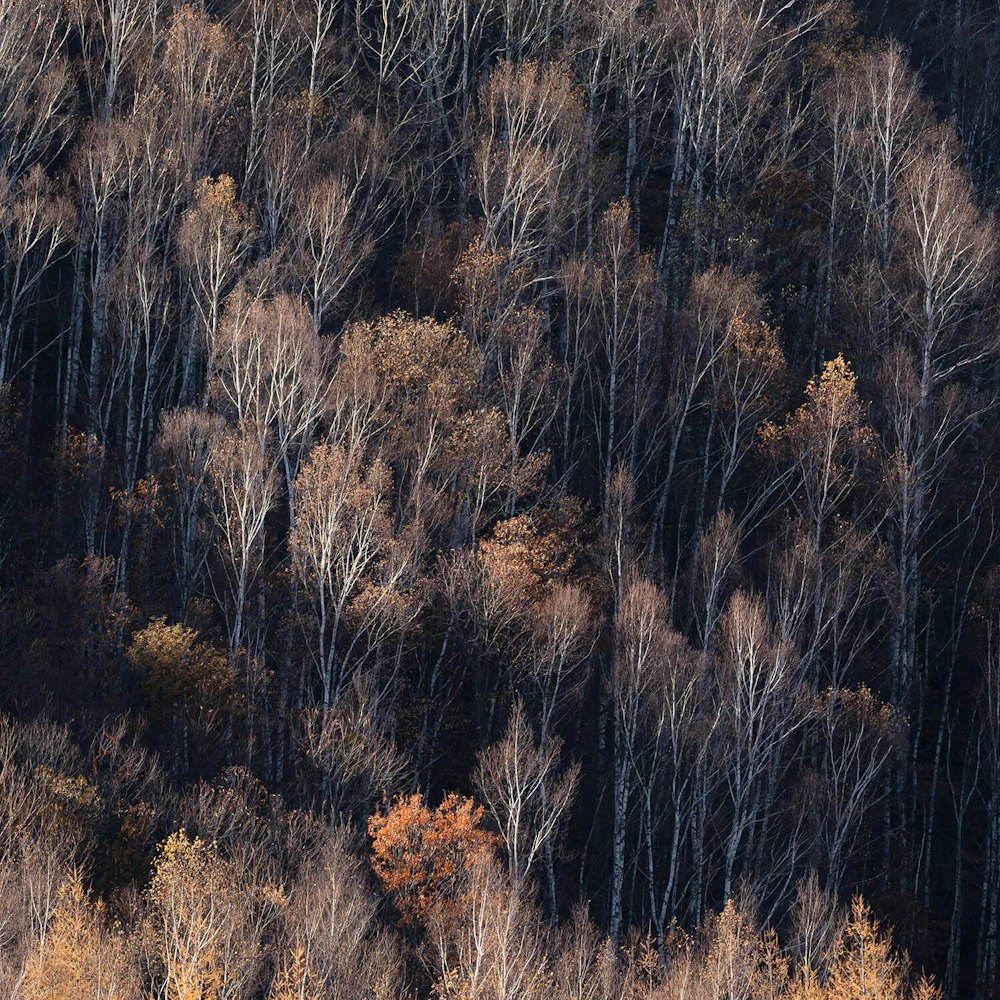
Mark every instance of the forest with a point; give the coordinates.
(499, 499)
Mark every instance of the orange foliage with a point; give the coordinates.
(425, 857)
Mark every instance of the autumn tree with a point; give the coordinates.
(80, 956)
(827, 438)
(296, 980)
(864, 963)
(204, 922)
(186, 680)
(426, 858)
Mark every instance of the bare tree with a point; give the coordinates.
(214, 238)
(720, 304)
(35, 85)
(331, 244)
(332, 913)
(114, 37)
(523, 790)
(269, 369)
(497, 948)
(714, 570)
(859, 737)
(201, 80)
(642, 632)
(526, 160)
(242, 491)
(184, 446)
(36, 225)
(726, 64)
(615, 300)
(339, 538)
(761, 710)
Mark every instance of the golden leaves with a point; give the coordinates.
(73, 799)
(418, 356)
(215, 221)
(189, 882)
(178, 668)
(297, 980)
(732, 957)
(80, 958)
(826, 440)
(864, 964)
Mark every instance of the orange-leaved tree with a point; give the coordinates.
(424, 857)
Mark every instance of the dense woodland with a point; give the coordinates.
(499, 499)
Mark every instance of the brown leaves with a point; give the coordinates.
(513, 570)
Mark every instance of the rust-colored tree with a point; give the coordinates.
(425, 857)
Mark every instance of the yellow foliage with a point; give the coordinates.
(832, 408)
(80, 958)
(806, 986)
(296, 980)
(72, 796)
(731, 957)
(423, 356)
(177, 668)
(188, 891)
(864, 966)
(215, 221)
